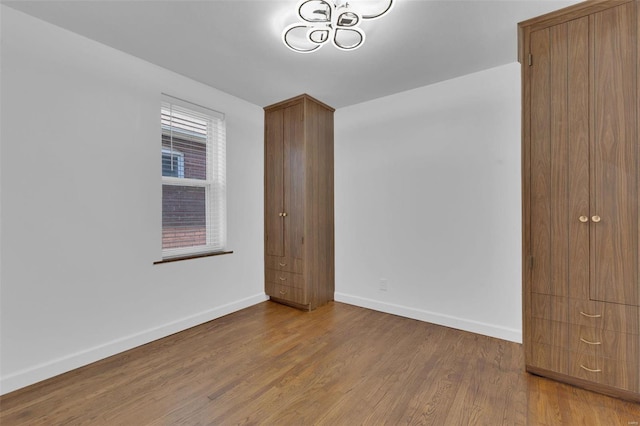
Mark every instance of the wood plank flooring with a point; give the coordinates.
(338, 365)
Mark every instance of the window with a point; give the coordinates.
(193, 179)
(172, 163)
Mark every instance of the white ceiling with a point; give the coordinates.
(235, 45)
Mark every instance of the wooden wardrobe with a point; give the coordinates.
(298, 205)
(581, 184)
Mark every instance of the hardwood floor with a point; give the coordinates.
(338, 365)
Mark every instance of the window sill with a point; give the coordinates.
(191, 256)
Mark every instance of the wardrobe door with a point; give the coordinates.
(614, 153)
(274, 184)
(299, 265)
(294, 180)
(559, 179)
(614, 199)
(581, 159)
(560, 158)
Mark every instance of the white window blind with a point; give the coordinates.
(193, 179)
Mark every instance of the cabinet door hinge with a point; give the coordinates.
(530, 59)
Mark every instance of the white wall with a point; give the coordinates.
(81, 199)
(428, 197)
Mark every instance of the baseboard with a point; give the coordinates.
(504, 333)
(70, 362)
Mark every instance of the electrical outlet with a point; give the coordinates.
(383, 284)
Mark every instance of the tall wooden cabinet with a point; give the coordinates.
(298, 206)
(581, 184)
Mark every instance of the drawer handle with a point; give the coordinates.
(282, 278)
(282, 264)
(283, 291)
(591, 316)
(590, 343)
(589, 369)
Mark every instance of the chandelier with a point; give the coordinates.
(332, 21)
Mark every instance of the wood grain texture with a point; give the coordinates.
(337, 365)
(577, 77)
(581, 158)
(558, 172)
(320, 227)
(524, 34)
(295, 171)
(566, 14)
(614, 157)
(588, 313)
(288, 264)
(274, 184)
(285, 278)
(307, 150)
(540, 191)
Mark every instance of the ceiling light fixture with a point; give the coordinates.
(332, 20)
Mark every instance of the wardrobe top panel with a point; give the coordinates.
(298, 99)
(559, 16)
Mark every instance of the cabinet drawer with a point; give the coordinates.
(551, 333)
(605, 343)
(598, 369)
(588, 313)
(604, 316)
(291, 294)
(548, 358)
(622, 318)
(285, 278)
(616, 373)
(288, 264)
